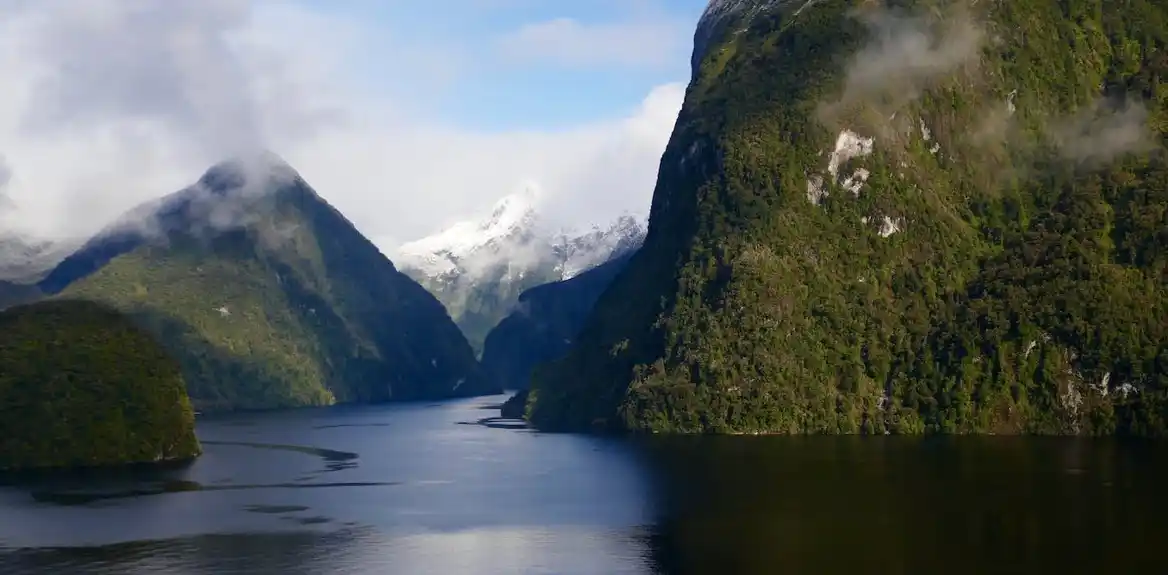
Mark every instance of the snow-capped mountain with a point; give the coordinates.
(26, 261)
(479, 268)
(578, 253)
(464, 246)
(23, 262)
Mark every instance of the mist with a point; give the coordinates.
(904, 54)
(110, 104)
(1104, 131)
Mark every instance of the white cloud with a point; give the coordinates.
(107, 103)
(650, 42)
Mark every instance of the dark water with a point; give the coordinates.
(408, 489)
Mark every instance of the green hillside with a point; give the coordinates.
(898, 216)
(81, 385)
(270, 298)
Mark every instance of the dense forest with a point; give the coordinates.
(270, 298)
(897, 217)
(82, 385)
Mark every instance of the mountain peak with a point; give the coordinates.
(719, 12)
(25, 259)
(478, 268)
(255, 171)
(513, 210)
(513, 215)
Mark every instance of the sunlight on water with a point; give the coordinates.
(426, 489)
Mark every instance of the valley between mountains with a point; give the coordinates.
(270, 298)
(897, 217)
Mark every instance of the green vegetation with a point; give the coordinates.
(82, 385)
(1002, 269)
(286, 306)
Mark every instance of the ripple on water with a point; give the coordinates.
(275, 509)
(85, 497)
(334, 460)
(77, 488)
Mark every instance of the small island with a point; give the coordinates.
(515, 407)
(82, 386)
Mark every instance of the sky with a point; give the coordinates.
(407, 116)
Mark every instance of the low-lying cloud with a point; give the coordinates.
(906, 51)
(5, 177)
(110, 103)
(1104, 131)
(903, 55)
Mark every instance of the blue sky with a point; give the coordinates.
(407, 115)
(517, 64)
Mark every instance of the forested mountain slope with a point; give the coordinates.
(897, 216)
(269, 297)
(81, 385)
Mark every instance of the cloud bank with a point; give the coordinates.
(109, 103)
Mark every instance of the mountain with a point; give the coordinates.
(897, 217)
(544, 324)
(12, 293)
(479, 268)
(27, 261)
(270, 298)
(81, 385)
(24, 262)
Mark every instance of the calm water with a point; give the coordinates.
(416, 489)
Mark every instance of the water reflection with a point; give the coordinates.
(353, 550)
(432, 496)
(291, 553)
(84, 487)
(896, 505)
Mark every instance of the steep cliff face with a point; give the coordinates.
(897, 216)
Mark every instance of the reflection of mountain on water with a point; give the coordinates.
(87, 496)
(287, 553)
(903, 505)
(334, 460)
(87, 486)
(478, 499)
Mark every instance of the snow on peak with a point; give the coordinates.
(516, 237)
(26, 260)
(513, 210)
(440, 253)
(582, 252)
